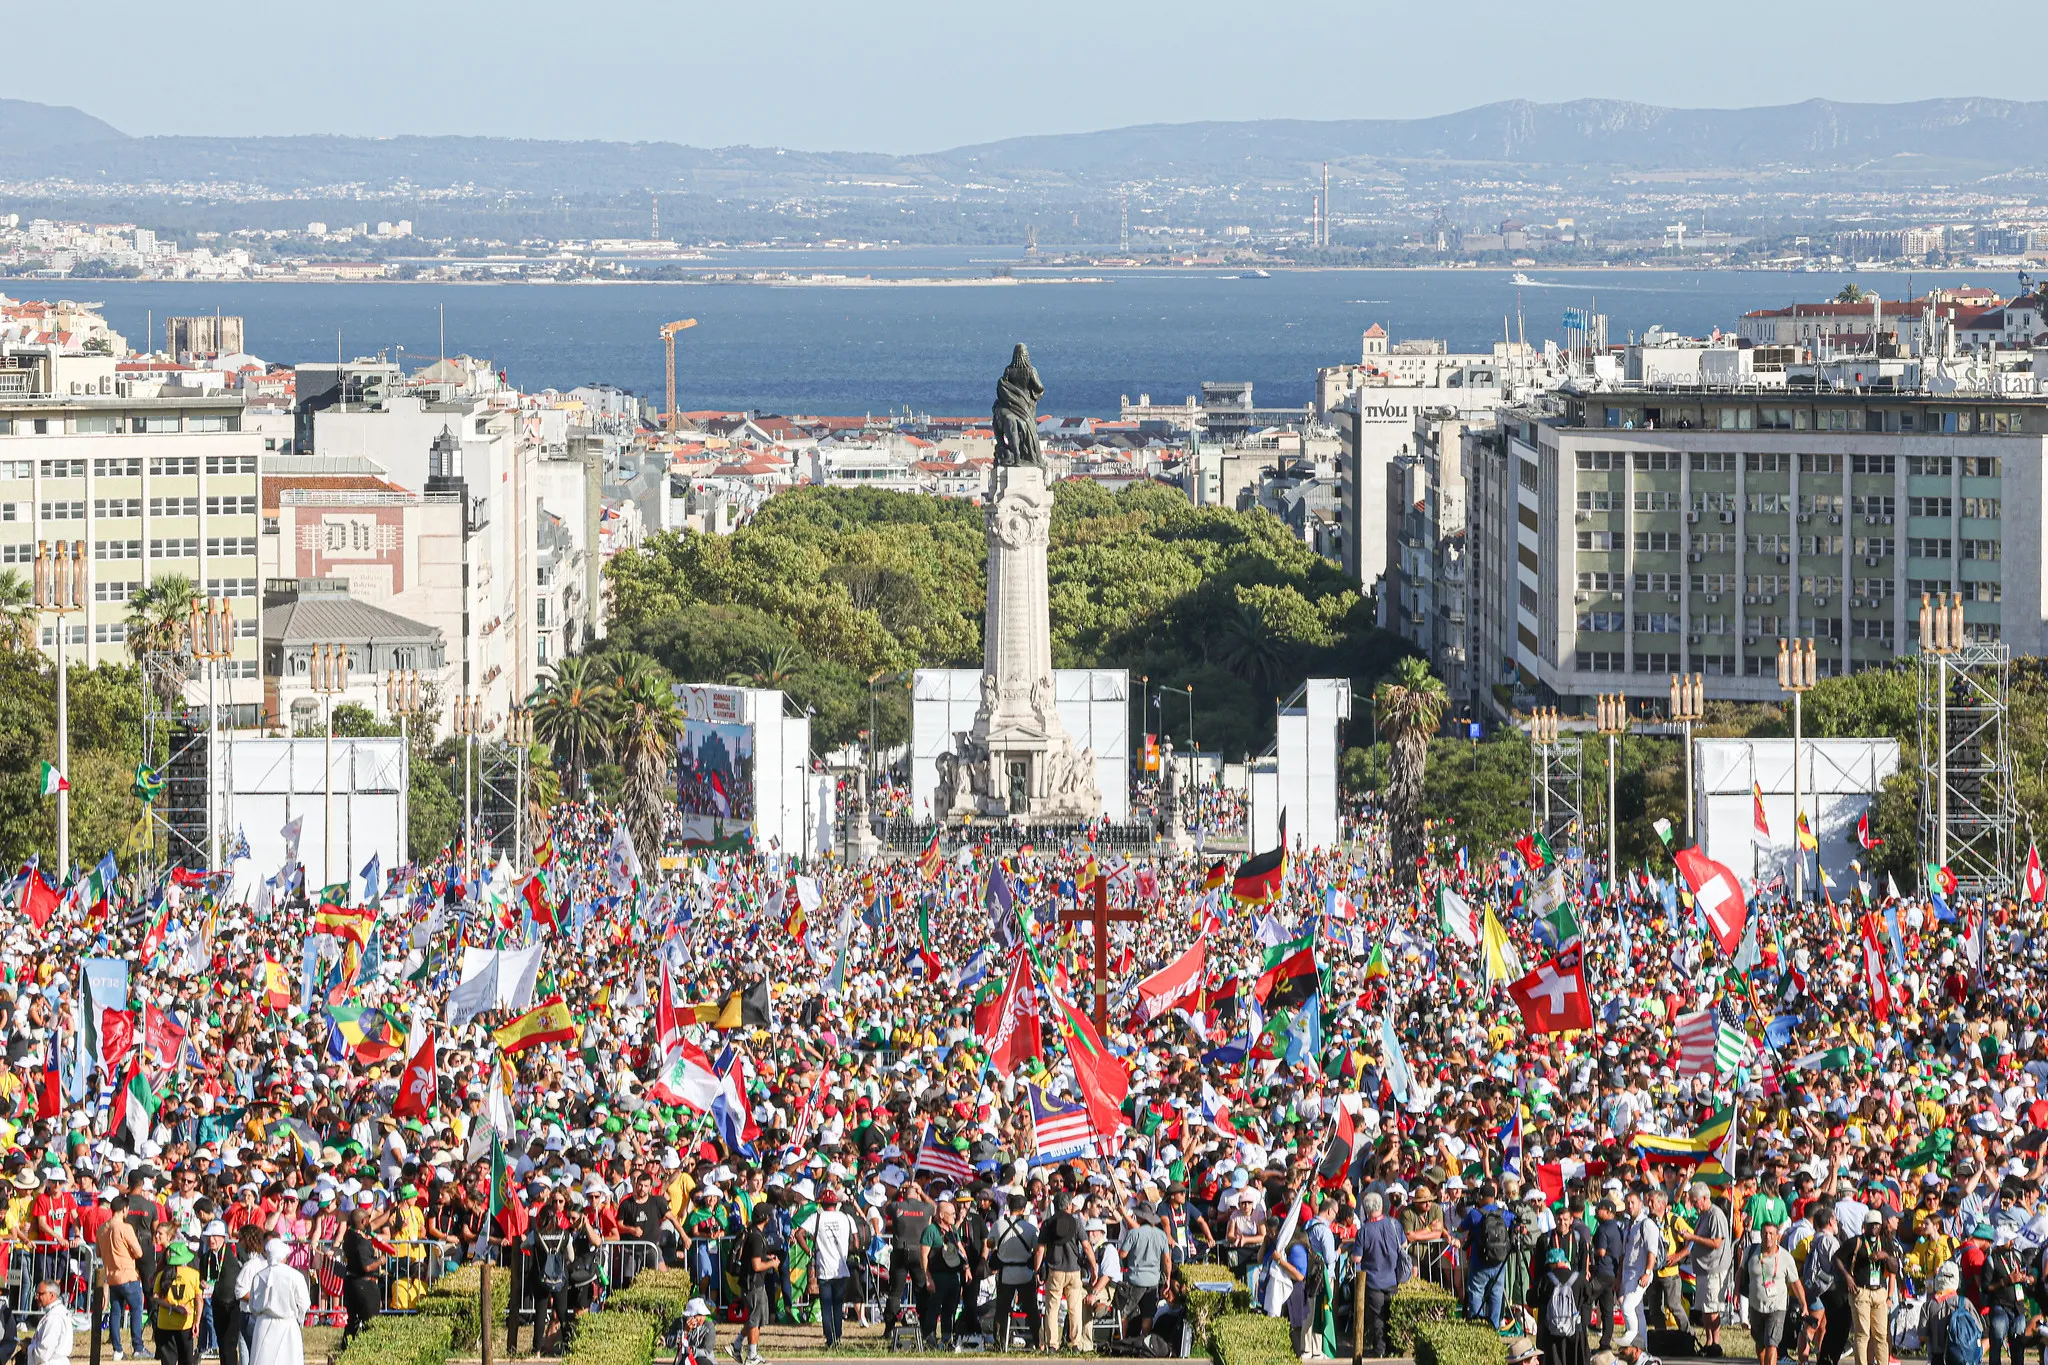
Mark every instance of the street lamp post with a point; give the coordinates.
(405, 699)
(328, 676)
(1613, 723)
(212, 631)
(1688, 708)
(469, 715)
(1797, 668)
(60, 590)
(519, 729)
(1941, 634)
(1543, 735)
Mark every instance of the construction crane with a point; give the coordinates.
(668, 341)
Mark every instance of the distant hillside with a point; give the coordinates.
(1945, 137)
(1819, 134)
(26, 124)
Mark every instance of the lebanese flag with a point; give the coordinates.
(2037, 883)
(1008, 1025)
(1553, 997)
(1178, 980)
(1718, 894)
(686, 1078)
(418, 1085)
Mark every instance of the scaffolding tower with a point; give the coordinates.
(1967, 804)
(176, 752)
(1557, 791)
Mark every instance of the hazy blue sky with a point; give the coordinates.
(917, 75)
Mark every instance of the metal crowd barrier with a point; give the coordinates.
(623, 1260)
(30, 1263)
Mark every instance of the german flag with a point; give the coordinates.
(547, 1022)
(1288, 976)
(1259, 879)
(1218, 874)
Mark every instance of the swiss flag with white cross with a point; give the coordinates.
(1718, 895)
(1553, 997)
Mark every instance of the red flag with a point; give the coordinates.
(1178, 980)
(1717, 893)
(537, 901)
(1008, 1025)
(1874, 979)
(162, 1036)
(50, 1095)
(1333, 1172)
(1553, 997)
(2037, 883)
(418, 1085)
(39, 899)
(1863, 832)
(117, 1036)
(668, 1020)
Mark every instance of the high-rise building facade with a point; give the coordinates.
(155, 482)
(1631, 535)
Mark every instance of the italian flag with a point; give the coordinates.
(53, 780)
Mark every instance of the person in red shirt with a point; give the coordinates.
(1976, 1251)
(97, 1213)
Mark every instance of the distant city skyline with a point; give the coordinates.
(918, 75)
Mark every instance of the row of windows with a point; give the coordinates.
(1778, 462)
(1819, 585)
(1777, 543)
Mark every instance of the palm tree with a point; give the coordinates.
(774, 669)
(17, 612)
(1249, 648)
(571, 714)
(158, 621)
(644, 728)
(1410, 707)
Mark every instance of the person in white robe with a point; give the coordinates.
(279, 1300)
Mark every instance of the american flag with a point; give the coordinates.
(941, 1160)
(1059, 1129)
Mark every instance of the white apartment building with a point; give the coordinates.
(521, 555)
(1376, 404)
(154, 479)
(1629, 535)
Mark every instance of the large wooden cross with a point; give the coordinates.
(1099, 917)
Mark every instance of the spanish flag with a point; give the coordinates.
(276, 984)
(343, 922)
(547, 1022)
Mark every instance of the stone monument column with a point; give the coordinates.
(1017, 761)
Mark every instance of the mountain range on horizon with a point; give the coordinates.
(1954, 138)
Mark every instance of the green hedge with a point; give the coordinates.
(613, 1337)
(392, 1339)
(1415, 1305)
(1458, 1343)
(1251, 1339)
(453, 1299)
(660, 1293)
(1204, 1306)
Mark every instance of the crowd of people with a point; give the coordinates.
(874, 1093)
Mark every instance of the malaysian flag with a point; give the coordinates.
(941, 1160)
(1059, 1129)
